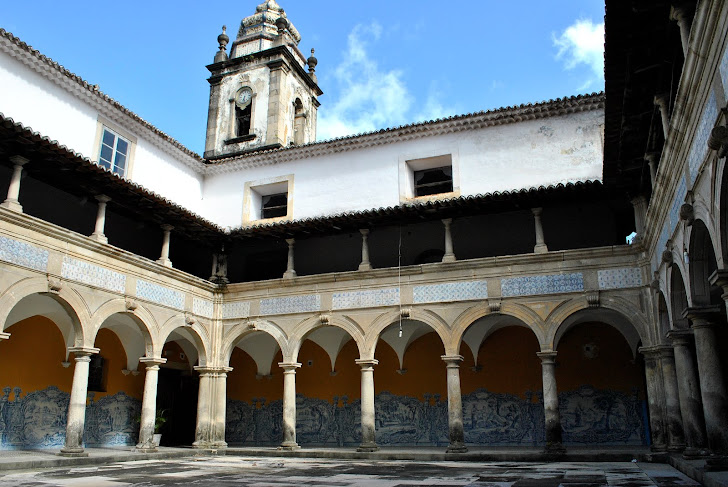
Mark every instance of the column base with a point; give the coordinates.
(658, 448)
(365, 267)
(72, 452)
(289, 446)
(456, 448)
(449, 258)
(692, 453)
(99, 237)
(676, 448)
(165, 262)
(554, 449)
(289, 274)
(146, 449)
(716, 463)
(368, 447)
(12, 205)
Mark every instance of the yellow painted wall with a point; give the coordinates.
(242, 384)
(509, 363)
(613, 368)
(316, 380)
(112, 351)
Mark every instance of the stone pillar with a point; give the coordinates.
(290, 271)
(454, 405)
(655, 397)
(368, 425)
(73, 446)
(365, 264)
(640, 213)
(203, 429)
(691, 405)
(276, 129)
(149, 404)
(540, 247)
(164, 258)
(683, 21)
(712, 383)
(652, 159)
(551, 402)
(220, 409)
(674, 423)
(449, 253)
(98, 234)
(11, 202)
(289, 405)
(661, 102)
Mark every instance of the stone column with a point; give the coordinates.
(365, 264)
(454, 405)
(675, 434)
(220, 408)
(164, 258)
(11, 202)
(652, 159)
(540, 246)
(290, 271)
(691, 405)
(551, 402)
(289, 405)
(368, 423)
(661, 102)
(203, 429)
(655, 397)
(680, 15)
(98, 234)
(449, 253)
(640, 213)
(712, 384)
(73, 446)
(149, 404)
(720, 278)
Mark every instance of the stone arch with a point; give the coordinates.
(608, 315)
(240, 330)
(310, 324)
(428, 317)
(66, 297)
(515, 310)
(702, 263)
(144, 322)
(195, 333)
(722, 205)
(678, 297)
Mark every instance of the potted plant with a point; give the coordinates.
(159, 420)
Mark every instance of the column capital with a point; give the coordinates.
(289, 366)
(537, 211)
(83, 351)
(720, 278)
(366, 362)
(364, 231)
(19, 160)
(166, 227)
(102, 198)
(678, 13)
(291, 241)
(452, 360)
(680, 337)
(447, 221)
(205, 370)
(702, 316)
(652, 352)
(652, 157)
(660, 99)
(547, 356)
(151, 361)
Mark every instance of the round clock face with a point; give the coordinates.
(244, 97)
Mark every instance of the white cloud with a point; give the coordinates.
(582, 43)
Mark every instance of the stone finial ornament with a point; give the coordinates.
(222, 40)
(130, 304)
(312, 63)
(718, 140)
(687, 213)
(54, 285)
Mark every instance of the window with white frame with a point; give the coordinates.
(428, 177)
(114, 152)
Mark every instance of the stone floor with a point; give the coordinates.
(283, 472)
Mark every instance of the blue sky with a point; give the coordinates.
(381, 63)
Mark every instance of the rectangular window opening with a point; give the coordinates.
(274, 205)
(433, 181)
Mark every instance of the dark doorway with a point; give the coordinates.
(177, 395)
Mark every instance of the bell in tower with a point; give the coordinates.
(261, 96)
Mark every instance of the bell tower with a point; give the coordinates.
(261, 96)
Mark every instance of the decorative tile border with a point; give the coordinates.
(290, 304)
(202, 307)
(366, 299)
(160, 294)
(620, 278)
(23, 254)
(451, 291)
(531, 285)
(235, 310)
(699, 146)
(93, 275)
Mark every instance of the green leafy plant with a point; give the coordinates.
(159, 420)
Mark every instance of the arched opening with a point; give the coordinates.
(500, 379)
(410, 386)
(37, 373)
(663, 316)
(254, 391)
(602, 398)
(678, 298)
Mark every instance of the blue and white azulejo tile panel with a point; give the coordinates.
(724, 71)
(160, 294)
(366, 299)
(236, 310)
(202, 307)
(680, 192)
(23, 254)
(699, 146)
(619, 278)
(290, 304)
(450, 291)
(533, 285)
(93, 275)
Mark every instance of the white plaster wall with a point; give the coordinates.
(514, 156)
(45, 107)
